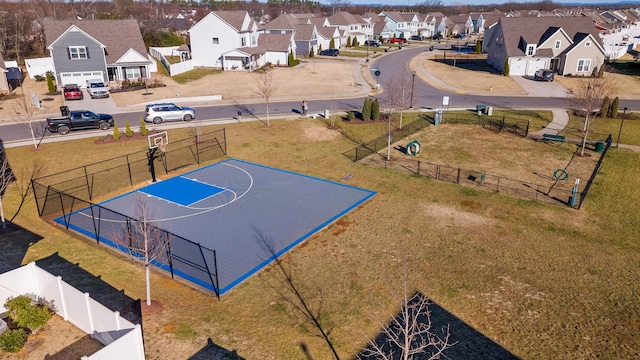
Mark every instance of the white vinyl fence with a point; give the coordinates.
(122, 339)
(174, 69)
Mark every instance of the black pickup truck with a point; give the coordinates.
(80, 119)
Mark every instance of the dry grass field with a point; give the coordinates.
(511, 276)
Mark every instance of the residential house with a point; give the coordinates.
(217, 36)
(443, 25)
(619, 30)
(304, 32)
(462, 24)
(567, 45)
(426, 25)
(403, 25)
(90, 49)
(4, 84)
(352, 26)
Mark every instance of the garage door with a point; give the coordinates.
(518, 67)
(80, 78)
(534, 65)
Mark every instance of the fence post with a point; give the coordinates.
(129, 169)
(418, 167)
(458, 177)
(526, 133)
(498, 185)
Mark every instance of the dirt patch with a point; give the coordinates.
(319, 132)
(449, 217)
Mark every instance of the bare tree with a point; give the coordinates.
(397, 91)
(410, 331)
(25, 116)
(143, 241)
(265, 87)
(6, 178)
(587, 98)
(23, 183)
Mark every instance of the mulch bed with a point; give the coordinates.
(108, 139)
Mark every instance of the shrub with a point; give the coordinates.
(366, 109)
(349, 41)
(13, 340)
(601, 72)
(39, 78)
(28, 315)
(478, 46)
(143, 127)
(332, 44)
(320, 47)
(355, 42)
(613, 110)
(604, 110)
(375, 110)
(350, 115)
(116, 132)
(128, 132)
(311, 53)
(292, 60)
(505, 69)
(50, 85)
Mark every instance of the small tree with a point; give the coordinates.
(354, 43)
(143, 127)
(366, 109)
(332, 44)
(478, 46)
(143, 241)
(601, 71)
(319, 48)
(50, 85)
(27, 314)
(13, 340)
(128, 132)
(116, 132)
(604, 110)
(265, 87)
(613, 110)
(505, 69)
(291, 60)
(348, 40)
(375, 110)
(311, 53)
(587, 98)
(6, 178)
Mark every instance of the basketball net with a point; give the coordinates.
(162, 146)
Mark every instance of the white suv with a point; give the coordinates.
(97, 89)
(159, 113)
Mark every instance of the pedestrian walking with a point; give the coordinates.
(304, 106)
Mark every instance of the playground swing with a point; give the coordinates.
(413, 148)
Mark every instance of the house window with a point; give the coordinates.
(216, 41)
(78, 52)
(558, 43)
(253, 39)
(133, 73)
(243, 42)
(530, 49)
(587, 43)
(584, 65)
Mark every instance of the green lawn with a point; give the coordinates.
(194, 75)
(542, 281)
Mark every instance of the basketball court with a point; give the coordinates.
(244, 215)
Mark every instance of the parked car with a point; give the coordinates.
(159, 113)
(397, 40)
(417, 37)
(372, 43)
(461, 35)
(436, 37)
(72, 92)
(330, 52)
(97, 89)
(543, 75)
(79, 119)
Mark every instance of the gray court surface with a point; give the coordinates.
(247, 213)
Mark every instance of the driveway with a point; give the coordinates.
(540, 88)
(103, 105)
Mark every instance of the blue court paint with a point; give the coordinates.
(181, 190)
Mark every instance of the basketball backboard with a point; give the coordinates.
(158, 138)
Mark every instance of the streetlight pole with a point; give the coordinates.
(624, 112)
(413, 81)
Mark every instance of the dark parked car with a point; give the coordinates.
(72, 92)
(543, 75)
(375, 43)
(417, 37)
(397, 40)
(330, 52)
(461, 35)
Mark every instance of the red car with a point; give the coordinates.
(72, 92)
(397, 40)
